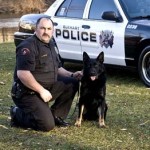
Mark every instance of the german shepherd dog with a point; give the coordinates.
(92, 104)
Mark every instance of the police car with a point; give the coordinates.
(119, 28)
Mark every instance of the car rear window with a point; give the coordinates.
(72, 8)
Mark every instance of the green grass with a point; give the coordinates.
(128, 118)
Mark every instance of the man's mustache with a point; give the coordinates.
(45, 35)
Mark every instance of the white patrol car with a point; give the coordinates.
(119, 28)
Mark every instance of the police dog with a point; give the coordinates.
(92, 104)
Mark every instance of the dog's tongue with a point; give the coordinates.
(93, 78)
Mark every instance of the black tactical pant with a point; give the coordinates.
(34, 113)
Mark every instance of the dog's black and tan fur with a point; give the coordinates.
(92, 104)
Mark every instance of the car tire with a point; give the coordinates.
(144, 66)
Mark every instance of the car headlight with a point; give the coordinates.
(27, 26)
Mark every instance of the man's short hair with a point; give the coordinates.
(44, 17)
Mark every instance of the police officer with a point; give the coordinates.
(40, 78)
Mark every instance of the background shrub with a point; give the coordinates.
(26, 6)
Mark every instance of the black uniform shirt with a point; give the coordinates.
(39, 58)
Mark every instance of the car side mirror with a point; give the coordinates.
(111, 15)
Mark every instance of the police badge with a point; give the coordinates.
(106, 38)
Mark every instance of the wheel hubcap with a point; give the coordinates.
(146, 66)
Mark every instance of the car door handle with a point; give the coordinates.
(55, 23)
(86, 26)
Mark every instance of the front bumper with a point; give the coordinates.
(20, 36)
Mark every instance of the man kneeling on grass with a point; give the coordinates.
(40, 78)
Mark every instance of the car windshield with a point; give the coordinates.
(137, 8)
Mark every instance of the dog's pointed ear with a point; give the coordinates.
(100, 57)
(85, 57)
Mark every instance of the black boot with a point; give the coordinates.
(60, 122)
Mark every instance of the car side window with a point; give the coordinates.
(76, 8)
(72, 8)
(62, 11)
(141, 9)
(99, 6)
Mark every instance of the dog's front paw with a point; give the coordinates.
(102, 126)
(102, 123)
(78, 123)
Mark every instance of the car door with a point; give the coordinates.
(104, 35)
(67, 24)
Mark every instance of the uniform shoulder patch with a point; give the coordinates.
(25, 51)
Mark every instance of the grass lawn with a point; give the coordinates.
(128, 117)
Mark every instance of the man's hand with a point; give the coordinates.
(29, 81)
(45, 95)
(78, 75)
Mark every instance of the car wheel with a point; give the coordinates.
(144, 66)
